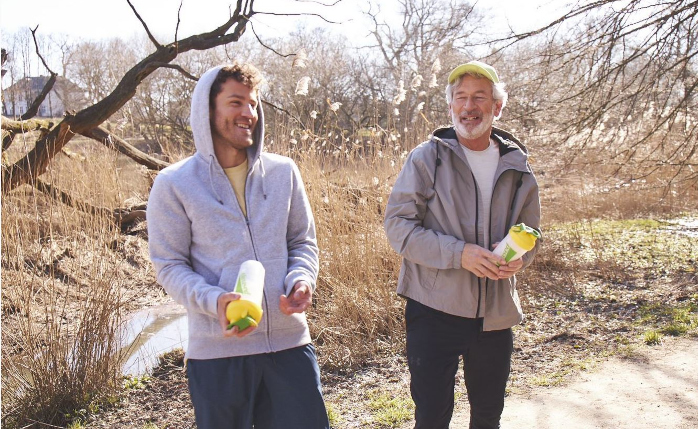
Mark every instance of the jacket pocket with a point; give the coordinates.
(430, 277)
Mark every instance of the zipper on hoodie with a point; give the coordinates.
(489, 234)
(254, 250)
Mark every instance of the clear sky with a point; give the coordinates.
(94, 19)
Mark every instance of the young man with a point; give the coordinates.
(455, 198)
(207, 214)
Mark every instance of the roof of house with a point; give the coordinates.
(34, 85)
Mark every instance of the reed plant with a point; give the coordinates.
(64, 283)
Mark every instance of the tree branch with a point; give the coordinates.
(179, 15)
(281, 109)
(265, 45)
(36, 161)
(178, 68)
(12, 128)
(68, 200)
(113, 142)
(124, 217)
(48, 86)
(145, 26)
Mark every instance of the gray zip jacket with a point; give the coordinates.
(199, 237)
(432, 213)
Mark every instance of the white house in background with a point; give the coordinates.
(64, 95)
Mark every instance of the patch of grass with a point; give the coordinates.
(653, 338)
(631, 243)
(567, 368)
(135, 382)
(668, 319)
(389, 410)
(332, 414)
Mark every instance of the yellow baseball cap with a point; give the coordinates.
(474, 66)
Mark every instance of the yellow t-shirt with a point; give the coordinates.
(238, 176)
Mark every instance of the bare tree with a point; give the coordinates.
(35, 162)
(626, 79)
(432, 34)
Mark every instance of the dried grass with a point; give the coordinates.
(67, 277)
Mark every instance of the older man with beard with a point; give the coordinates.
(455, 198)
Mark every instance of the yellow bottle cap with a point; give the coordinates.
(524, 236)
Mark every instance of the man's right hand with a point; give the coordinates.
(223, 300)
(481, 261)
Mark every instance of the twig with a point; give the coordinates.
(299, 14)
(178, 68)
(281, 109)
(36, 45)
(268, 47)
(179, 12)
(48, 86)
(147, 30)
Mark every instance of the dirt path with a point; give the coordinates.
(657, 388)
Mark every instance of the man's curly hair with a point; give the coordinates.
(246, 74)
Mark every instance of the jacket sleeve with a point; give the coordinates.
(303, 254)
(404, 216)
(530, 215)
(169, 240)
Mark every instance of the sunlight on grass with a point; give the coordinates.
(332, 414)
(671, 320)
(389, 410)
(653, 338)
(568, 367)
(639, 243)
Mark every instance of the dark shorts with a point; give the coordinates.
(267, 391)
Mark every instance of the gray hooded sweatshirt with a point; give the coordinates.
(199, 237)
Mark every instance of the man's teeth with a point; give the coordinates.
(245, 126)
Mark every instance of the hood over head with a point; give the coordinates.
(201, 122)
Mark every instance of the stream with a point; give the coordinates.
(152, 332)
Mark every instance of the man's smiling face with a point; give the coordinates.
(473, 108)
(234, 117)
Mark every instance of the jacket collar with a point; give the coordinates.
(512, 153)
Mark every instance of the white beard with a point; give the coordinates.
(473, 133)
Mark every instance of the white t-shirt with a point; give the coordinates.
(484, 163)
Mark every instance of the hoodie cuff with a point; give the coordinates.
(211, 301)
(295, 279)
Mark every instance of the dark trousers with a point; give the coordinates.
(435, 343)
(275, 390)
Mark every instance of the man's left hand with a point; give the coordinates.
(508, 270)
(299, 300)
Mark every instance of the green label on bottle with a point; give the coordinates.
(508, 253)
(241, 286)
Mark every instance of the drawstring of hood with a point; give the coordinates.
(263, 176)
(212, 159)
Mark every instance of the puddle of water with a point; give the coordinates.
(684, 226)
(150, 333)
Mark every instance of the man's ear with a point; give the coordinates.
(498, 108)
